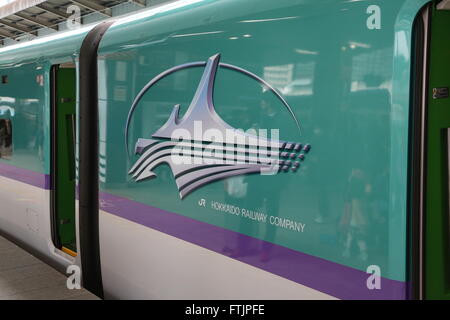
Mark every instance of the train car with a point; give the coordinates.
(229, 149)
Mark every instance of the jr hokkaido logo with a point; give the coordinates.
(201, 148)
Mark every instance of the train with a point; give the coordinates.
(229, 149)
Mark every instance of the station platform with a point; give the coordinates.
(24, 277)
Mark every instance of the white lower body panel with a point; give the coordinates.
(141, 263)
(25, 217)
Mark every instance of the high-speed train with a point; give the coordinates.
(229, 149)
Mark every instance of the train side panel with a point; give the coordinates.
(331, 76)
(25, 159)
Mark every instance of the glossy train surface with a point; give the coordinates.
(88, 177)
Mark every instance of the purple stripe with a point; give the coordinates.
(36, 179)
(329, 277)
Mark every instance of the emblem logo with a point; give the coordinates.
(201, 148)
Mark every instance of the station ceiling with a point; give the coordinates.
(26, 19)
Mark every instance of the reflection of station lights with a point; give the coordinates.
(279, 76)
(40, 79)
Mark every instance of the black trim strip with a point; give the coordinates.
(417, 147)
(53, 163)
(89, 160)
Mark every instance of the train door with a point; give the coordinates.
(437, 162)
(63, 158)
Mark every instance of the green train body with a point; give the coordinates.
(87, 177)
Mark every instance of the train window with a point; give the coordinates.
(5, 139)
